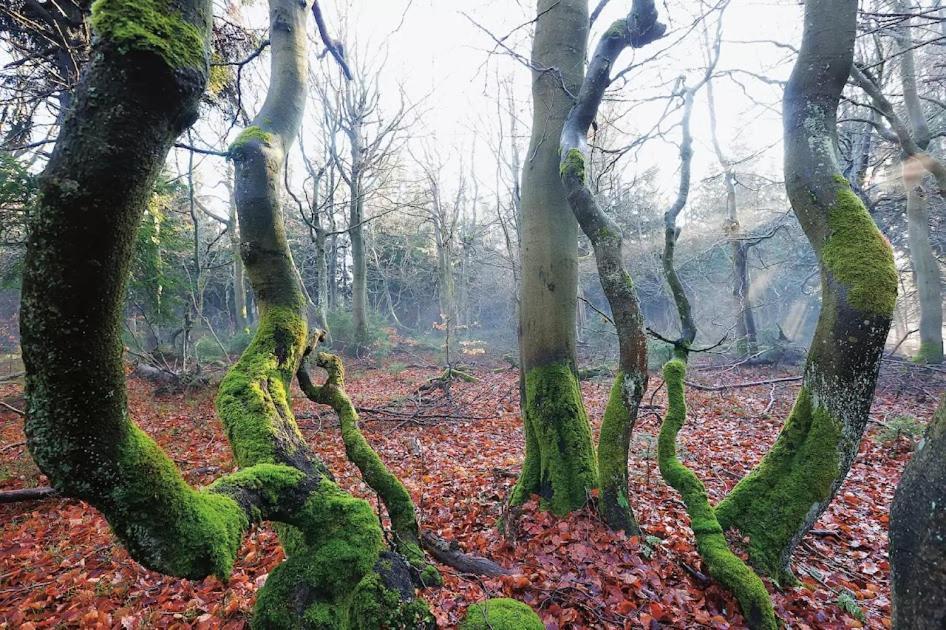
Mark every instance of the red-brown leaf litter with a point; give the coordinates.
(459, 456)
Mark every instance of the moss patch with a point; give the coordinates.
(772, 502)
(560, 461)
(153, 26)
(573, 165)
(859, 256)
(930, 353)
(612, 458)
(253, 133)
(501, 614)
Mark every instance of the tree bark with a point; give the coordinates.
(356, 217)
(918, 534)
(778, 502)
(560, 458)
(638, 29)
(135, 97)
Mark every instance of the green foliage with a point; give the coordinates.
(342, 325)
(859, 256)
(158, 283)
(848, 604)
(908, 426)
(207, 349)
(153, 26)
(560, 461)
(501, 614)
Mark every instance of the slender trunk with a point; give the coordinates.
(359, 261)
(638, 29)
(918, 534)
(239, 283)
(778, 502)
(925, 266)
(560, 458)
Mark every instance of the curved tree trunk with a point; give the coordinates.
(638, 29)
(134, 99)
(918, 534)
(560, 458)
(779, 501)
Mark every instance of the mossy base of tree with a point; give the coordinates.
(560, 462)
(721, 563)
(501, 614)
(771, 504)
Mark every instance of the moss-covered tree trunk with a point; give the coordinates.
(918, 534)
(139, 92)
(560, 458)
(779, 501)
(638, 29)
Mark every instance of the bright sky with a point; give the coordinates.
(432, 51)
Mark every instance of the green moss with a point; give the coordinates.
(573, 165)
(501, 614)
(167, 525)
(397, 500)
(612, 457)
(931, 353)
(253, 398)
(564, 468)
(153, 26)
(374, 605)
(772, 502)
(721, 563)
(253, 133)
(859, 256)
(618, 28)
(220, 76)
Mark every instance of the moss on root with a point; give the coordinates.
(859, 256)
(397, 500)
(501, 614)
(167, 525)
(152, 26)
(560, 458)
(333, 562)
(929, 353)
(721, 563)
(772, 502)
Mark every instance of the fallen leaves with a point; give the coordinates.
(59, 565)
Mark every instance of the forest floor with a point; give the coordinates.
(60, 566)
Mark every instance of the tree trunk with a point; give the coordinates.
(136, 96)
(239, 282)
(359, 260)
(636, 30)
(918, 534)
(779, 501)
(925, 266)
(560, 458)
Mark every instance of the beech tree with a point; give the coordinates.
(779, 501)
(559, 463)
(138, 93)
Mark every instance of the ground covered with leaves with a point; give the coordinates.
(458, 453)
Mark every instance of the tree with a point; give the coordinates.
(560, 457)
(137, 94)
(918, 533)
(639, 28)
(779, 501)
